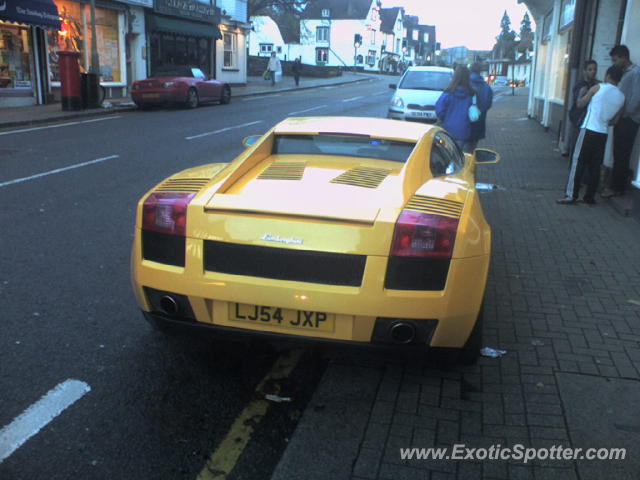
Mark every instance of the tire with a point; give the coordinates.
(225, 96)
(471, 350)
(192, 98)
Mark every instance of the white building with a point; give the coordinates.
(328, 29)
(231, 50)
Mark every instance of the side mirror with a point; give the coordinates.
(250, 140)
(485, 156)
(393, 86)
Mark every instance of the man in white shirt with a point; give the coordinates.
(605, 100)
(274, 67)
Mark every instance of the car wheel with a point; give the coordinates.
(471, 350)
(192, 98)
(225, 96)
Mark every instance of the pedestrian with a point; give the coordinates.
(605, 101)
(580, 89)
(626, 126)
(484, 96)
(296, 68)
(274, 67)
(452, 108)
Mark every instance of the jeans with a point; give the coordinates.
(624, 135)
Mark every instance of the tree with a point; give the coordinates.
(525, 27)
(506, 41)
(266, 7)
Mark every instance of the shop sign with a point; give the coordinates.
(188, 9)
(140, 3)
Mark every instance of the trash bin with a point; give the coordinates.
(70, 93)
(90, 87)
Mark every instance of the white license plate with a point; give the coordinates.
(422, 114)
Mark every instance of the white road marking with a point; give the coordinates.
(248, 99)
(67, 124)
(307, 110)
(206, 134)
(58, 170)
(352, 99)
(329, 88)
(38, 415)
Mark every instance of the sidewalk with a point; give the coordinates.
(15, 116)
(563, 300)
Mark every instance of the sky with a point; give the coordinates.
(472, 23)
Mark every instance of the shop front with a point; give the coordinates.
(75, 35)
(22, 51)
(182, 32)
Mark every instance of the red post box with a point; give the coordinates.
(70, 92)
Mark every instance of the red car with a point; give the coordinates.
(179, 85)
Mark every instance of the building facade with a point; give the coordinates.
(568, 32)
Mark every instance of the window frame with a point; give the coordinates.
(322, 33)
(323, 50)
(233, 51)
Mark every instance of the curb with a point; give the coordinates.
(116, 109)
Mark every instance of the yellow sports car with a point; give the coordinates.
(344, 229)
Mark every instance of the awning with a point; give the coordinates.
(157, 23)
(39, 13)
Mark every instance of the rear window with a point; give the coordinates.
(425, 80)
(343, 145)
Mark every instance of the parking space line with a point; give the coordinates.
(67, 124)
(222, 461)
(58, 170)
(307, 110)
(206, 134)
(38, 415)
(352, 99)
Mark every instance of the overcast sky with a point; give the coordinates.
(472, 23)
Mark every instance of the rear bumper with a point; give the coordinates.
(158, 97)
(356, 309)
(188, 326)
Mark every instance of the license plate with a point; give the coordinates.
(282, 317)
(150, 95)
(422, 114)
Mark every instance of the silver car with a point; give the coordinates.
(417, 93)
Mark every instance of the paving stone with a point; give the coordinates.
(398, 472)
(367, 464)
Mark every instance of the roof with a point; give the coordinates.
(339, 9)
(411, 21)
(375, 127)
(388, 18)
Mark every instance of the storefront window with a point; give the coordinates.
(75, 36)
(560, 66)
(15, 65)
(168, 50)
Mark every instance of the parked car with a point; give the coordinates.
(188, 86)
(371, 233)
(500, 81)
(417, 92)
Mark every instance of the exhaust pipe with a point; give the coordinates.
(169, 305)
(402, 332)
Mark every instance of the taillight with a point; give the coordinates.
(420, 234)
(166, 212)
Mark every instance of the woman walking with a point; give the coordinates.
(452, 108)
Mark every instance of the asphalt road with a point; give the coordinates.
(152, 406)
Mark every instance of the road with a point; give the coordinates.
(150, 406)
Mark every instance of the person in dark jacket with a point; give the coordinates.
(582, 86)
(295, 69)
(484, 101)
(452, 108)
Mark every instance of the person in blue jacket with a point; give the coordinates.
(452, 108)
(484, 100)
